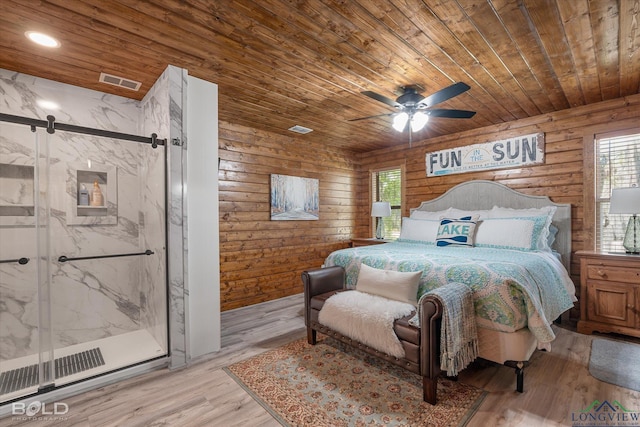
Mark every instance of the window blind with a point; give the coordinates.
(617, 165)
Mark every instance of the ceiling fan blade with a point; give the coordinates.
(371, 117)
(452, 114)
(444, 94)
(381, 98)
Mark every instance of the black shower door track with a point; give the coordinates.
(51, 125)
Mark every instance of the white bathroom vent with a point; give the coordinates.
(119, 81)
(300, 129)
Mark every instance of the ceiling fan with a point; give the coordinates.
(415, 109)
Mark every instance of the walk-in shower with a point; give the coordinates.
(82, 253)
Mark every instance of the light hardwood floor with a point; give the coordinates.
(557, 384)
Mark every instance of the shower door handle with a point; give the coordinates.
(63, 258)
(21, 261)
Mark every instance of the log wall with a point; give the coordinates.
(562, 176)
(260, 259)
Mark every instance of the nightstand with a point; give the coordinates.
(362, 241)
(609, 293)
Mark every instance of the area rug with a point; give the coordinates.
(615, 362)
(331, 384)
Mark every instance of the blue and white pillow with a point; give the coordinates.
(457, 231)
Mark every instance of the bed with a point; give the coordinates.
(520, 286)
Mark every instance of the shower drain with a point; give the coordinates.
(26, 377)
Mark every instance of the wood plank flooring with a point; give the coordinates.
(557, 384)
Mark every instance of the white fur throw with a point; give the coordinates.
(366, 318)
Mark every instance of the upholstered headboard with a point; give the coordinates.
(480, 194)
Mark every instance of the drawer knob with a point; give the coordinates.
(601, 273)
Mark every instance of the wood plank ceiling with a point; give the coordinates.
(280, 63)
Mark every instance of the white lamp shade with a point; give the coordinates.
(400, 121)
(625, 201)
(418, 121)
(380, 209)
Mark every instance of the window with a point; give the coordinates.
(386, 186)
(617, 165)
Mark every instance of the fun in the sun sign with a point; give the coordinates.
(506, 153)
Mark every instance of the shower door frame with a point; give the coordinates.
(46, 367)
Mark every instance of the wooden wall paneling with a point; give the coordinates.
(605, 23)
(550, 32)
(579, 35)
(527, 43)
(629, 47)
(260, 259)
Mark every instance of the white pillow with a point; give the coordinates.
(395, 285)
(499, 212)
(527, 233)
(422, 230)
(459, 213)
(429, 215)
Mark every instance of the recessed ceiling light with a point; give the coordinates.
(42, 39)
(47, 105)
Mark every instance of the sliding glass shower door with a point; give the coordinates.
(108, 293)
(88, 212)
(25, 334)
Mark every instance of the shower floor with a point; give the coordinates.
(117, 351)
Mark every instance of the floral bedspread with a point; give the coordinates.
(511, 289)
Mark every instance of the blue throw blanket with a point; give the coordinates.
(458, 334)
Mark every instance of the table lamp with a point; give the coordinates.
(627, 201)
(380, 210)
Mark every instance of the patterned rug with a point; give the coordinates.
(331, 384)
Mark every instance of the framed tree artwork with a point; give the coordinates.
(294, 198)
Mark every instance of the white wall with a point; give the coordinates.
(202, 213)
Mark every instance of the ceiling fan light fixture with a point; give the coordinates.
(400, 121)
(418, 121)
(418, 109)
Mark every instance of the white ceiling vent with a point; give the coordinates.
(119, 81)
(300, 129)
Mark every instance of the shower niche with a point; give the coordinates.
(92, 209)
(17, 193)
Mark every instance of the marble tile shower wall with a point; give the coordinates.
(97, 298)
